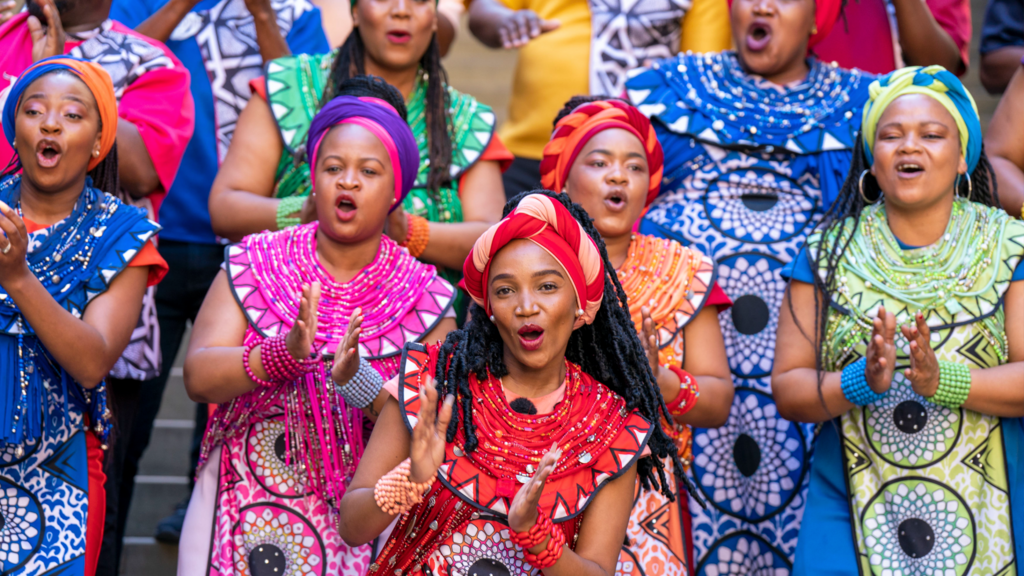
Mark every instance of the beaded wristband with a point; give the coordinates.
(537, 533)
(417, 234)
(954, 385)
(395, 494)
(363, 388)
(285, 208)
(248, 369)
(279, 363)
(855, 384)
(552, 551)
(688, 393)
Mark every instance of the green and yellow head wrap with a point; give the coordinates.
(933, 81)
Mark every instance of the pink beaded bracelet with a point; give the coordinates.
(277, 361)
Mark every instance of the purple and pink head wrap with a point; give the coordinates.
(381, 119)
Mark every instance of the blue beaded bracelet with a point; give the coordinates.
(855, 384)
(363, 388)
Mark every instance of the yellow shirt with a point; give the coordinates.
(553, 67)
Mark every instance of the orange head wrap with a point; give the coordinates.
(548, 224)
(574, 131)
(94, 77)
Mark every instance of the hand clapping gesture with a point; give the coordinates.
(346, 358)
(301, 337)
(924, 367)
(522, 514)
(521, 26)
(881, 353)
(428, 436)
(13, 245)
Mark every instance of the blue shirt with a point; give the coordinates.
(1003, 25)
(216, 42)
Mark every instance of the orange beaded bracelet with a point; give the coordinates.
(417, 234)
(395, 493)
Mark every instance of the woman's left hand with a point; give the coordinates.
(522, 514)
(924, 367)
(346, 357)
(13, 248)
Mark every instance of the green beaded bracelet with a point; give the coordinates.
(954, 385)
(285, 208)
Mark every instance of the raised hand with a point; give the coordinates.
(13, 246)
(521, 26)
(346, 358)
(47, 41)
(7, 10)
(522, 513)
(303, 333)
(881, 352)
(649, 340)
(924, 367)
(428, 436)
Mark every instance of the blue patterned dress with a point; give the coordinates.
(750, 167)
(44, 414)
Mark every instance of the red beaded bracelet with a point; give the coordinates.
(551, 553)
(540, 530)
(248, 369)
(278, 362)
(688, 393)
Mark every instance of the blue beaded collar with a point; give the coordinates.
(710, 98)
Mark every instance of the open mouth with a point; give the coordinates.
(345, 207)
(909, 169)
(758, 36)
(615, 201)
(531, 336)
(399, 36)
(48, 153)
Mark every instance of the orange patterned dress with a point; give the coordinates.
(675, 283)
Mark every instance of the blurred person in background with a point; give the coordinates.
(1006, 147)
(1002, 43)
(573, 47)
(224, 44)
(757, 144)
(156, 122)
(879, 36)
(337, 21)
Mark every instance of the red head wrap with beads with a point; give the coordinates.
(574, 131)
(551, 226)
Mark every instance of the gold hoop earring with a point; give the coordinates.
(860, 187)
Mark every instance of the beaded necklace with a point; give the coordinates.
(386, 289)
(657, 274)
(511, 444)
(928, 277)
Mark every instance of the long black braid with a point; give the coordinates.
(608, 350)
(842, 219)
(351, 61)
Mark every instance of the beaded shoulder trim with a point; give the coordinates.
(423, 301)
(710, 98)
(471, 125)
(295, 85)
(969, 276)
(564, 498)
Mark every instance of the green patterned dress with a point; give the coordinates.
(928, 487)
(295, 86)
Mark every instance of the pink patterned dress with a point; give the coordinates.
(277, 459)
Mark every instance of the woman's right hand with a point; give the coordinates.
(49, 40)
(428, 436)
(881, 352)
(303, 333)
(13, 247)
(521, 26)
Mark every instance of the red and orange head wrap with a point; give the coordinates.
(548, 224)
(574, 131)
(95, 78)
(826, 12)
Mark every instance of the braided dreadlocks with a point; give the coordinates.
(842, 219)
(351, 61)
(608, 349)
